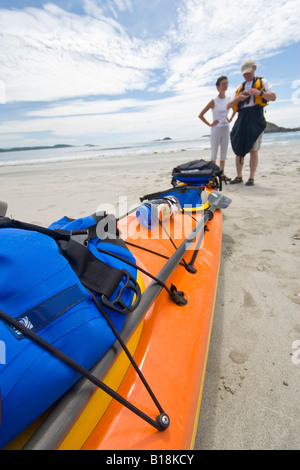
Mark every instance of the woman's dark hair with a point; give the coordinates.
(218, 82)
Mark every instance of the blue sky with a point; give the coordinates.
(94, 71)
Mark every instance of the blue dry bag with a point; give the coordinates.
(45, 275)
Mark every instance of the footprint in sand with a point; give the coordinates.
(238, 357)
(248, 300)
(295, 297)
(46, 208)
(268, 252)
(255, 226)
(228, 244)
(296, 235)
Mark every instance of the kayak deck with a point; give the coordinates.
(170, 346)
(171, 353)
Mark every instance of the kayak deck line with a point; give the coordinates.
(148, 297)
(61, 429)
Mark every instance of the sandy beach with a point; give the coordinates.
(252, 385)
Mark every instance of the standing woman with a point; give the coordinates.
(220, 125)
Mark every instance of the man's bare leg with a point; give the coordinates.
(253, 163)
(239, 163)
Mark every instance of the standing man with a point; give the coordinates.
(246, 135)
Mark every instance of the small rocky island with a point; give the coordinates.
(274, 128)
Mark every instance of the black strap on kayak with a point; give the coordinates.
(6, 222)
(150, 251)
(91, 271)
(173, 243)
(176, 295)
(162, 421)
(190, 265)
(183, 263)
(99, 276)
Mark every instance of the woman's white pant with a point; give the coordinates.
(219, 137)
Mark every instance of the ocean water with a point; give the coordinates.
(52, 155)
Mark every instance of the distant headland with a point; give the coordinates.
(41, 147)
(273, 128)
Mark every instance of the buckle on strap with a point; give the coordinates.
(80, 236)
(118, 305)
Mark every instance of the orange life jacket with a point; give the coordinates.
(259, 85)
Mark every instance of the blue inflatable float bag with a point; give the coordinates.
(191, 198)
(198, 172)
(45, 279)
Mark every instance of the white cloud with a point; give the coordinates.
(123, 5)
(212, 39)
(98, 8)
(51, 55)
(285, 115)
(82, 107)
(99, 119)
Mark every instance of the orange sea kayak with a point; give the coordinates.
(168, 341)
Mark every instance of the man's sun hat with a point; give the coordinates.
(247, 66)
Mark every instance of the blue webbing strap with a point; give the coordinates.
(91, 271)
